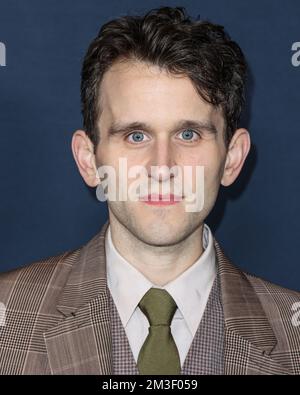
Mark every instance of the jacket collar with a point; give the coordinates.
(243, 312)
(87, 278)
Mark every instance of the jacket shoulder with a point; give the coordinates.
(37, 276)
(282, 307)
(275, 291)
(29, 296)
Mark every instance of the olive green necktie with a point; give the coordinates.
(159, 354)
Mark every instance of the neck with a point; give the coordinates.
(159, 264)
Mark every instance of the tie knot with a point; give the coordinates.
(158, 306)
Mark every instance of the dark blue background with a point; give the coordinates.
(45, 206)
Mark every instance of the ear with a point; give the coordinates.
(237, 152)
(83, 152)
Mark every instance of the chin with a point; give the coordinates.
(158, 241)
(158, 234)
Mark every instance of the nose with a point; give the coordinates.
(161, 161)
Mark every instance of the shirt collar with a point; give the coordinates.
(190, 290)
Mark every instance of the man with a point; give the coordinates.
(153, 293)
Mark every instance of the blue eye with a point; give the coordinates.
(137, 137)
(188, 134)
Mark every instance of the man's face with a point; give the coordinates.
(159, 104)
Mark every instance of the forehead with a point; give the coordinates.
(132, 90)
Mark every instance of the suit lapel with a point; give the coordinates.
(81, 342)
(249, 338)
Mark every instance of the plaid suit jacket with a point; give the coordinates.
(58, 318)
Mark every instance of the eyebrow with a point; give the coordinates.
(119, 128)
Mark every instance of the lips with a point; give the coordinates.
(161, 199)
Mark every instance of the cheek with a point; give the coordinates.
(120, 165)
(213, 169)
(211, 181)
(108, 155)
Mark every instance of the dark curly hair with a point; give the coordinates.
(168, 38)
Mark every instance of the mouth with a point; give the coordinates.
(161, 200)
